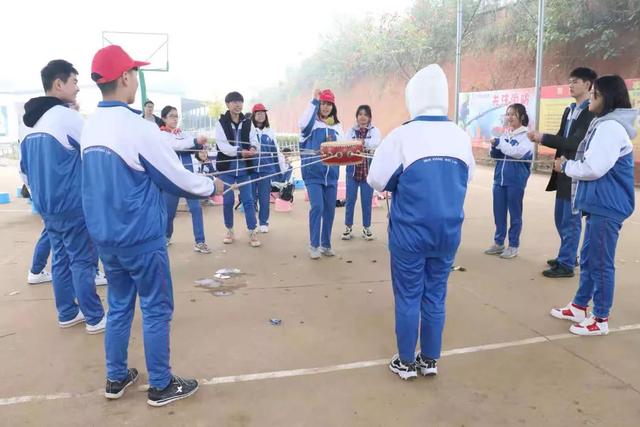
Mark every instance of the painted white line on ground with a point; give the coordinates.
(322, 370)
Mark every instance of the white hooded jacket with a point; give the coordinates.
(426, 163)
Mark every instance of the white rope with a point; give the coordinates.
(233, 187)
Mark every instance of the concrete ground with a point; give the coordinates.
(507, 362)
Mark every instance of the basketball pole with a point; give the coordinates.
(143, 88)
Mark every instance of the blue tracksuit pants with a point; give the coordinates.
(597, 269)
(246, 197)
(73, 269)
(263, 196)
(171, 202)
(147, 275)
(508, 199)
(41, 253)
(569, 227)
(323, 210)
(366, 197)
(420, 289)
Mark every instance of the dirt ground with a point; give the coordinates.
(507, 362)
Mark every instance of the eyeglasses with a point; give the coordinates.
(172, 116)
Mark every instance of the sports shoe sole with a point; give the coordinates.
(121, 392)
(173, 399)
(587, 334)
(493, 252)
(346, 237)
(71, 323)
(404, 375)
(96, 331)
(558, 276)
(428, 372)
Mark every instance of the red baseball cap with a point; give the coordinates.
(328, 96)
(111, 61)
(258, 107)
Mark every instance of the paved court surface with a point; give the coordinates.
(507, 362)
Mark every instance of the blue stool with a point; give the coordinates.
(299, 184)
(4, 198)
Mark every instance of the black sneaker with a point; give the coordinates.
(178, 388)
(558, 271)
(427, 367)
(553, 263)
(115, 389)
(404, 371)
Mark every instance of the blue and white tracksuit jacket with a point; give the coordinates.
(427, 164)
(126, 166)
(509, 182)
(180, 141)
(50, 164)
(605, 194)
(321, 181)
(269, 162)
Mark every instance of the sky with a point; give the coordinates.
(214, 47)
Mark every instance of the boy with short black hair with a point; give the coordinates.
(573, 128)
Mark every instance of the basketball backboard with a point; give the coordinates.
(149, 47)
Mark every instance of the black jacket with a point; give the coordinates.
(566, 147)
(229, 128)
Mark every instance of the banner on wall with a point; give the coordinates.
(481, 114)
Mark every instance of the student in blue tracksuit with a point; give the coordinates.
(269, 162)
(319, 124)
(238, 146)
(38, 274)
(603, 191)
(357, 174)
(180, 142)
(573, 127)
(513, 152)
(426, 163)
(50, 165)
(126, 167)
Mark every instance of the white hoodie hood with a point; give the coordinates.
(427, 93)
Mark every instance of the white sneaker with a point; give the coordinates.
(406, 372)
(427, 367)
(591, 326)
(253, 239)
(367, 234)
(346, 234)
(101, 279)
(327, 251)
(76, 320)
(98, 328)
(228, 238)
(264, 228)
(570, 312)
(202, 248)
(314, 253)
(495, 249)
(509, 253)
(35, 279)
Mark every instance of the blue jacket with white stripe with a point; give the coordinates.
(50, 157)
(126, 165)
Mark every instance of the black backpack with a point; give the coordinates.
(286, 193)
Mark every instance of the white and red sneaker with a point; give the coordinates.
(572, 312)
(591, 326)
